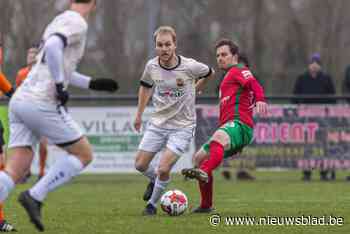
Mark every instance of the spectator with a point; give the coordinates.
(315, 82)
(346, 83)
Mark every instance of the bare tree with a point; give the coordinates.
(278, 36)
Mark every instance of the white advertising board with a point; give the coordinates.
(113, 138)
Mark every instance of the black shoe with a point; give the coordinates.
(6, 227)
(149, 210)
(195, 173)
(148, 192)
(33, 209)
(202, 210)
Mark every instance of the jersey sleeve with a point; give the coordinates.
(146, 79)
(258, 90)
(199, 70)
(71, 30)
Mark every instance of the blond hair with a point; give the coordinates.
(164, 30)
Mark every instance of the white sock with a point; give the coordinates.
(6, 186)
(60, 173)
(150, 173)
(158, 190)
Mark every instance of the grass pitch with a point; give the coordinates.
(113, 204)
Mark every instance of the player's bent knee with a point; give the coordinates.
(143, 160)
(86, 157)
(18, 164)
(82, 150)
(140, 166)
(16, 175)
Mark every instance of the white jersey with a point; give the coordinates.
(40, 85)
(174, 91)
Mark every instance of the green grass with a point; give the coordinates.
(112, 204)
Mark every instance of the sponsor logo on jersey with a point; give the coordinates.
(180, 82)
(171, 93)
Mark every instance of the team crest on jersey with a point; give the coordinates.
(180, 82)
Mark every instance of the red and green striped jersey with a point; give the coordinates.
(239, 90)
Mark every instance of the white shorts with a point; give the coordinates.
(29, 121)
(176, 140)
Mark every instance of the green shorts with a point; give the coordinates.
(240, 134)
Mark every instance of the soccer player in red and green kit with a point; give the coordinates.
(239, 94)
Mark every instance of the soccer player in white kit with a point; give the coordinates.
(37, 110)
(174, 81)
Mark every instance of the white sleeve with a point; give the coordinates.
(146, 79)
(80, 80)
(53, 50)
(199, 70)
(72, 30)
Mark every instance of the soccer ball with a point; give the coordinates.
(174, 202)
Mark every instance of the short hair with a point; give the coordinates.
(233, 46)
(164, 30)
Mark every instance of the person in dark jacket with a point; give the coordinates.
(315, 82)
(346, 83)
